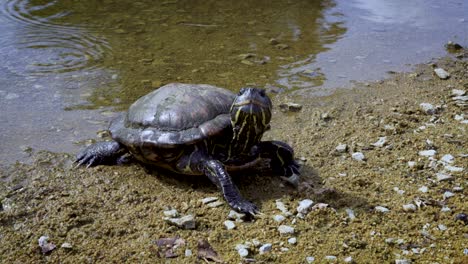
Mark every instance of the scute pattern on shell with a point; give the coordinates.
(175, 114)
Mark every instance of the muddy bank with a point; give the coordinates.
(404, 200)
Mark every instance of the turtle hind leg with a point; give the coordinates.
(109, 153)
(217, 174)
(281, 157)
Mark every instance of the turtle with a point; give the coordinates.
(197, 129)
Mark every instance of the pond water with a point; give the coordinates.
(67, 67)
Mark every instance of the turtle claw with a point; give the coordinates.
(245, 207)
(99, 153)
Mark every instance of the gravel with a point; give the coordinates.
(285, 230)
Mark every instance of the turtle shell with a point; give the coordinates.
(173, 115)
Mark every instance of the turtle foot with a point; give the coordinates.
(244, 206)
(100, 153)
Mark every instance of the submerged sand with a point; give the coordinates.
(115, 214)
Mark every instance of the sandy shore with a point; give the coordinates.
(403, 202)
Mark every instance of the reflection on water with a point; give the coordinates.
(68, 66)
(38, 44)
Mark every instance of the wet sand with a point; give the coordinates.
(115, 214)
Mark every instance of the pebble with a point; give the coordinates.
(350, 213)
(380, 143)
(411, 164)
(442, 227)
(445, 209)
(448, 194)
(279, 218)
(185, 222)
(409, 208)
(447, 158)
(292, 240)
(233, 215)
(284, 249)
(171, 213)
(243, 252)
(265, 248)
(208, 200)
(443, 177)
(402, 261)
(330, 258)
(310, 259)
(229, 224)
(382, 209)
(428, 108)
(216, 204)
(348, 259)
(66, 245)
(341, 148)
(427, 153)
(453, 168)
(359, 156)
(458, 92)
(188, 252)
(423, 189)
(304, 206)
(45, 246)
(441, 73)
(284, 229)
(282, 207)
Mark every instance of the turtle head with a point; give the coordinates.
(250, 117)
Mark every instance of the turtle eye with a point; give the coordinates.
(242, 90)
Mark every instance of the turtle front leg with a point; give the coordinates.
(109, 152)
(281, 157)
(216, 172)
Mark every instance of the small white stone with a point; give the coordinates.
(233, 215)
(445, 209)
(442, 227)
(310, 259)
(453, 168)
(459, 117)
(411, 164)
(423, 189)
(284, 249)
(265, 248)
(215, 204)
(447, 158)
(359, 156)
(427, 153)
(448, 194)
(284, 229)
(66, 245)
(382, 209)
(348, 259)
(304, 206)
(380, 143)
(458, 92)
(243, 252)
(350, 213)
(229, 224)
(208, 200)
(341, 148)
(292, 240)
(185, 222)
(282, 207)
(443, 177)
(402, 261)
(279, 218)
(330, 258)
(428, 108)
(441, 73)
(171, 213)
(188, 252)
(409, 207)
(457, 189)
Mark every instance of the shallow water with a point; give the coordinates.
(69, 66)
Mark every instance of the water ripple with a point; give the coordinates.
(38, 44)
